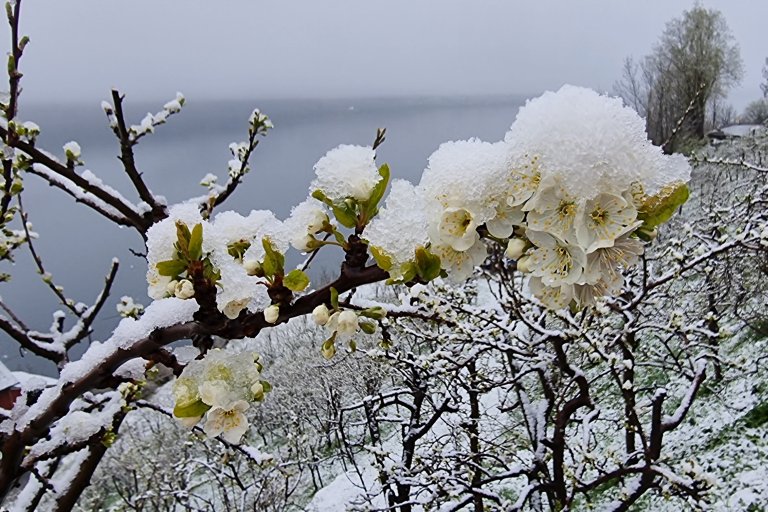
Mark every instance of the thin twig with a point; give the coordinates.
(128, 160)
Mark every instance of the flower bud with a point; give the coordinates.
(523, 264)
(184, 289)
(515, 248)
(258, 391)
(304, 243)
(347, 322)
(317, 221)
(321, 314)
(171, 287)
(72, 150)
(271, 313)
(252, 267)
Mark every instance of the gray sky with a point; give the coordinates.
(334, 48)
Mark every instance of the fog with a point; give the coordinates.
(246, 49)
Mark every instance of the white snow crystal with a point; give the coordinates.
(346, 171)
(591, 144)
(398, 229)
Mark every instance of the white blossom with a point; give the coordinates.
(554, 211)
(457, 228)
(555, 261)
(307, 219)
(344, 323)
(216, 393)
(460, 264)
(602, 219)
(553, 297)
(228, 422)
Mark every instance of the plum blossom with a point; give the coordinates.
(555, 261)
(227, 421)
(553, 297)
(460, 264)
(554, 211)
(219, 388)
(602, 219)
(458, 228)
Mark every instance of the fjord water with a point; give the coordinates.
(78, 245)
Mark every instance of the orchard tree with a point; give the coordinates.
(564, 217)
(689, 71)
(764, 85)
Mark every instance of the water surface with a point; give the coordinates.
(78, 245)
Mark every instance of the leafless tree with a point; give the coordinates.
(692, 66)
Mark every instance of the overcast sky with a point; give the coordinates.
(335, 48)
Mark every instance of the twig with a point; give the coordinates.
(14, 77)
(129, 162)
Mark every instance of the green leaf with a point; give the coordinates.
(334, 298)
(427, 264)
(409, 271)
(266, 386)
(367, 327)
(171, 268)
(194, 410)
(296, 280)
(339, 237)
(383, 259)
(372, 204)
(659, 209)
(237, 249)
(318, 194)
(182, 235)
(274, 261)
(17, 187)
(352, 345)
(344, 214)
(210, 272)
(196, 243)
(329, 347)
(376, 312)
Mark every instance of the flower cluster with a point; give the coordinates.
(572, 190)
(571, 193)
(220, 388)
(127, 308)
(236, 254)
(343, 324)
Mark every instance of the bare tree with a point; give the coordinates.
(693, 65)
